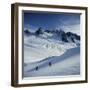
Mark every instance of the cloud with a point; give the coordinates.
(70, 28)
(69, 25)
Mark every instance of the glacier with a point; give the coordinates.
(48, 54)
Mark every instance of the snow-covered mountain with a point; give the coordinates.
(45, 48)
(60, 35)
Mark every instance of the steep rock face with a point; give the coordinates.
(63, 36)
(27, 31)
(39, 31)
(73, 36)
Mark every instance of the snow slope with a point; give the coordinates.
(66, 64)
(48, 55)
(38, 48)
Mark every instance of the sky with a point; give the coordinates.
(52, 21)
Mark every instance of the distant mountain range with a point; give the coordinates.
(61, 35)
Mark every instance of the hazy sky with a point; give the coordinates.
(65, 21)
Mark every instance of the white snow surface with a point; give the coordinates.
(41, 50)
